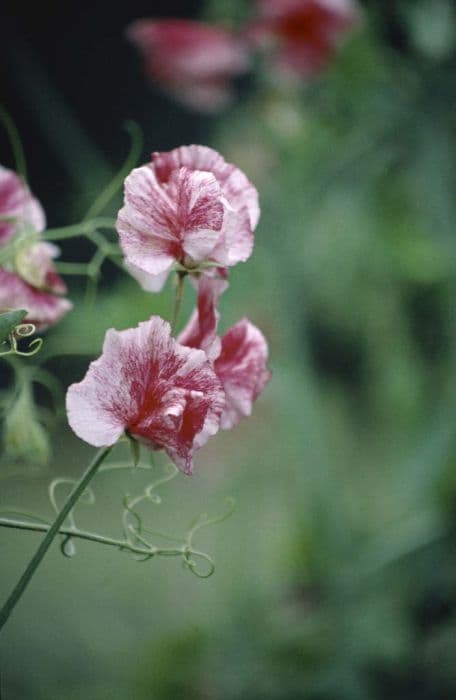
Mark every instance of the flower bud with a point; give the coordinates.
(24, 437)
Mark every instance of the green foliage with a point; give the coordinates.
(8, 322)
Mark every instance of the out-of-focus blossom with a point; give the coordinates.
(193, 61)
(28, 278)
(188, 206)
(239, 357)
(302, 35)
(163, 394)
(18, 207)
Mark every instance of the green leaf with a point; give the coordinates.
(8, 322)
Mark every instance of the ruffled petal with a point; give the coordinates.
(146, 383)
(201, 329)
(241, 367)
(164, 223)
(17, 202)
(236, 188)
(150, 283)
(44, 309)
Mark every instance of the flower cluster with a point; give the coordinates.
(196, 62)
(28, 278)
(191, 212)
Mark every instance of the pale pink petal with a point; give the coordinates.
(176, 221)
(199, 211)
(34, 265)
(241, 367)
(17, 202)
(44, 309)
(146, 223)
(237, 189)
(150, 283)
(201, 330)
(147, 384)
(236, 242)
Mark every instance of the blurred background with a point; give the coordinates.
(336, 575)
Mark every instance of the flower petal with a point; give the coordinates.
(241, 367)
(44, 309)
(166, 222)
(17, 202)
(146, 383)
(201, 329)
(236, 188)
(150, 283)
(192, 60)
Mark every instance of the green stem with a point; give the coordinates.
(73, 532)
(146, 551)
(116, 183)
(53, 530)
(80, 229)
(178, 299)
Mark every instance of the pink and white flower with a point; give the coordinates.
(239, 358)
(241, 368)
(28, 278)
(188, 206)
(163, 394)
(193, 61)
(302, 35)
(18, 207)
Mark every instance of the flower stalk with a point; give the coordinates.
(52, 532)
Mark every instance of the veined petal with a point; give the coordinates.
(17, 203)
(162, 223)
(44, 309)
(236, 188)
(150, 283)
(201, 329)
(241, 367)
(151, 386)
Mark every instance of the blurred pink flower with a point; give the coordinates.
(187, 206)
(303, 35)
(163, 394)
(239, 357)
(17, 203)
(28, 278)
(193, 61)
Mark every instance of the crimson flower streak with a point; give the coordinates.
(187, 206)
(161, 393)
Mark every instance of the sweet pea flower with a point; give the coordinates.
(18, 207)
(190, 207)
(28, 278)
(239, 358)
(302, 34)
(194, 62)
(146, 384)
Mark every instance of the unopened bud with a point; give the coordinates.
(24, 436)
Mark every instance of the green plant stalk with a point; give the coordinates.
(178, 299)
(72, 499)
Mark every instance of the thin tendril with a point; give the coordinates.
(15, 141)
(109, 192)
